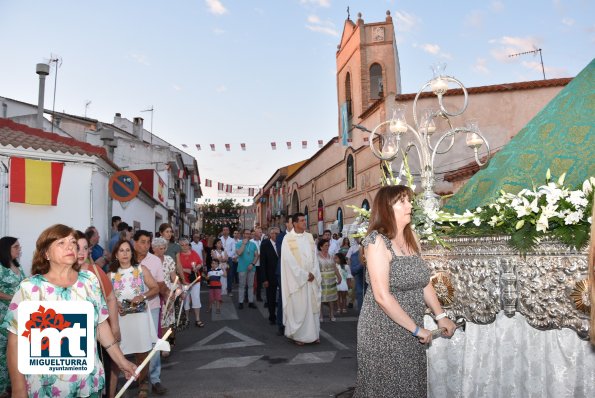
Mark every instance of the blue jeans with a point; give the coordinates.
(155, 364)
(359, 289)
(231, 274)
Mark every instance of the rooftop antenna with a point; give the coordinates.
(535, 51)
(348, 16)
(57, 60)
(87, 103)
(152, 110)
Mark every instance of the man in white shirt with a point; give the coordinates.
(333, 244)
(229, 245)
(198, 247)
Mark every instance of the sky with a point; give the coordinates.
(256, 71)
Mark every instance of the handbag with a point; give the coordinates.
(128, 307)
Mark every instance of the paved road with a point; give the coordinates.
(238, 354)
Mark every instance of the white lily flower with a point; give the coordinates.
(542, 223)
(577, 198)
(573, 218)
(587, 187)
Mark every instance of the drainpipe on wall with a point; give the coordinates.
(4, 213)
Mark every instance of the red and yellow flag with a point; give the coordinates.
(34, 181)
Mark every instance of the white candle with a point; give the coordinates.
(473, 140)
(439, 86)
(401, 127)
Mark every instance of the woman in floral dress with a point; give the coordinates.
(330, 278)
(135, 284)
(56, 277)
(11, 274)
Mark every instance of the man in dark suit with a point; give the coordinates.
(280, 326)
(269, 258)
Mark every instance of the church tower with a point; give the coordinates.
(367, 70)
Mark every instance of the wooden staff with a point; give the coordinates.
(182, 306)
(161, 342)
(172, 293)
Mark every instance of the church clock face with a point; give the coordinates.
(378, 33)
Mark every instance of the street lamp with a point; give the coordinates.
(419, 135)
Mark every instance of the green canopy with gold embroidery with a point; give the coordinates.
(560, 137)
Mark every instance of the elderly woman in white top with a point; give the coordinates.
(170, 270)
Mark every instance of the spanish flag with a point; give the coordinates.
(34, 181)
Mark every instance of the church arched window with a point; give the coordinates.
(376, 84)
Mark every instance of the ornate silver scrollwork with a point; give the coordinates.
(546, 286)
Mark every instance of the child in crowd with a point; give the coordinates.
(346, 281)
(215, 275)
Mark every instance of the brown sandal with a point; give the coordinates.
(143, 390)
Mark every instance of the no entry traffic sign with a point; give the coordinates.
(123, 186)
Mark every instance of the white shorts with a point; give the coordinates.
(193, 294)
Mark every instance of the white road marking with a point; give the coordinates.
(165, 365)
(313, 357)
(231, 362)
(338, 345)
(203, 344)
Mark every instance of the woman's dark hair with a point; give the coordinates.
(345, 242)
(115, 264)
(165, 226)
(322, 242)
(5, 255)
(215, 243)
(40, 264)
(382, 218)
(81, 235)
(342, 259)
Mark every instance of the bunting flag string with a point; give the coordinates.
(274, 146)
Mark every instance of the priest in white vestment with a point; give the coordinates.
(300, 284)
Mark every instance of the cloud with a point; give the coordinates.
(433, 49)
(315, 24)
(177, 87)
(474, 19)
(550, 71)
(218, 31)
(221, 88)
(216, 7)
(481, 66)
(497, 6)
(314, 19)
(509, 45)
(317, 3)
(405, 21)
(568, 21)
(140, 58)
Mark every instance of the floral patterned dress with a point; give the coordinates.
(38, 288)
(9, 281)
(169, 266)
(137, 330)
(329, 279)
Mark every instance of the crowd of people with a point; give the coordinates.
(139, 281)
(136, 286)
